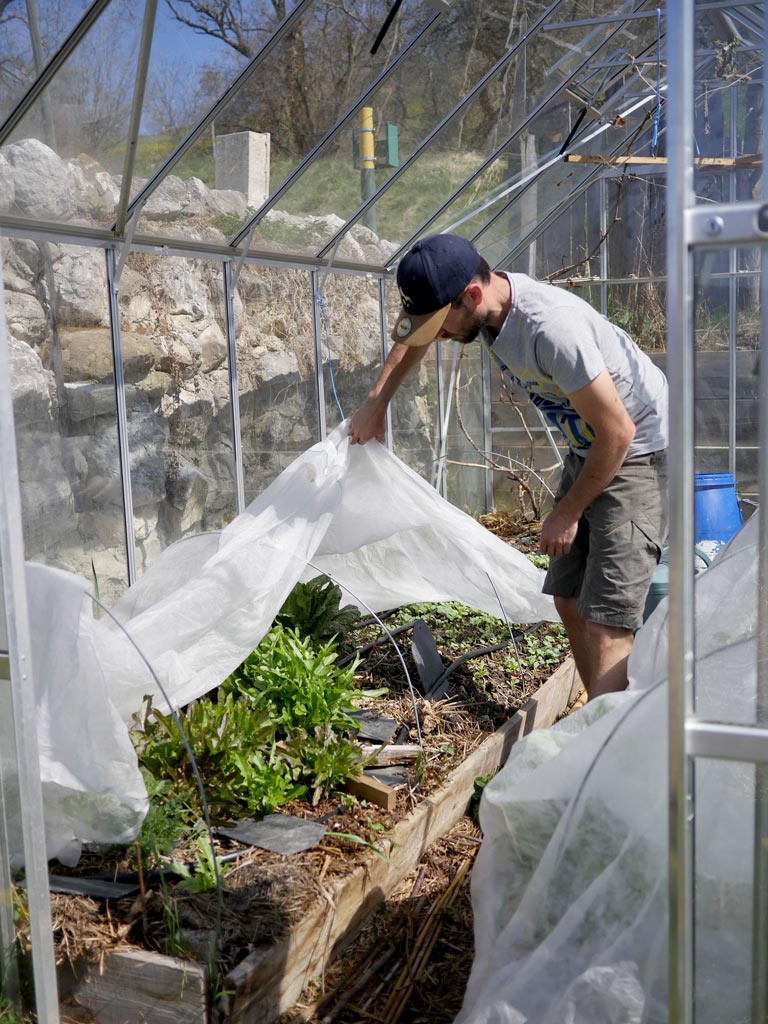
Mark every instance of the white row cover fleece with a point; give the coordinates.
(569, 890)
(357, 513)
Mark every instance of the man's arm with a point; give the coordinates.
(369, 419)
(599, 404)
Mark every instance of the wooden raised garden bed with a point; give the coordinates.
(131, 986)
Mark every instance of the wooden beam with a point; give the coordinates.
(375, 792)
(391, 753)
(749, 161)
(133, 986)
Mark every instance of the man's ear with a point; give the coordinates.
(474, 292)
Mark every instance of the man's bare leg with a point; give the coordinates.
(577, 636)
(600, 652)
(611, 647)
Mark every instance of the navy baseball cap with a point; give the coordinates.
(430, 277)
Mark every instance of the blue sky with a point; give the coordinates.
(182, 44)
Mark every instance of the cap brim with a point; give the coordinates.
(419, 330)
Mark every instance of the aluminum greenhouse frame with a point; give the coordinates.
(507, 209)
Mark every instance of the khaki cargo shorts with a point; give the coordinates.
(618, 543)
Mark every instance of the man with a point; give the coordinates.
(605, 533)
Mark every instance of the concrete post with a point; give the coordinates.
(242, 164)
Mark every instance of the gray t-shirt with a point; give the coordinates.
(553, 343)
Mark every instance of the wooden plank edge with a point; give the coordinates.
(373, 790)
(390, 753)
(748, 161)
(269, 981)
(134, 986)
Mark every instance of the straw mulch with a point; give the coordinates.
(412, 961)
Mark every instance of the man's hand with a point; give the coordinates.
(370, 418)
(368, 422)
(599, 405)
(558, 532)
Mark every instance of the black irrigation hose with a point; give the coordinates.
(373, 620)
(479, 652)
(476, 653)
(374, 643)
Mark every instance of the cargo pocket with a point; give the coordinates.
(651, 530)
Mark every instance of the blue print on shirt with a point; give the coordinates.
(554, 405)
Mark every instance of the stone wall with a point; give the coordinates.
(176, 369)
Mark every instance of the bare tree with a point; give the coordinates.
(322, 64)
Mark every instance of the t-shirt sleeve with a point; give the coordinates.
(567, 349)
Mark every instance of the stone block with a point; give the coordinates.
(242, 164)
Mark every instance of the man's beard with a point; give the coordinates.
(471, 325)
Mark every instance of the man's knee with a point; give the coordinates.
(567, 609)
(598, 632)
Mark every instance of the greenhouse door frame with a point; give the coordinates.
(696, 228)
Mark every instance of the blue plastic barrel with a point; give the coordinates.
(716, 509)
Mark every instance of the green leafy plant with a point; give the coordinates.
(474, 804)
(10, 1015)
(203, 877)
(233, 743)
(325, 759)
(461, 628)
(350, 837)
(174, 944)
(547, 646)
(296, 686)
(278, 730)
(168, 819)
(314, 610)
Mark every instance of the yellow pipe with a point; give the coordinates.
(367, 158)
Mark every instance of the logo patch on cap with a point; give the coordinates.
(403, 328)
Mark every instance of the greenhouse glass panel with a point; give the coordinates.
(479, 128)
(529, 178)
(68, 149)
(415, 417)
(28, 43)
(727, 332)
(636, 226)
(728, 103)
(349, 322)
(714, 363)
(723, 881)
(465, 442)
(638, 307)
(567, 248)
(65, 411)
(278, 113)
(746, 327)
(276, 371)
(180, 440)
(404, 108)
(189, 67)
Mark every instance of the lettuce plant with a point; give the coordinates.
(314, 611)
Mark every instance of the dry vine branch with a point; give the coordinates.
(521, 478)
(615, 217)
